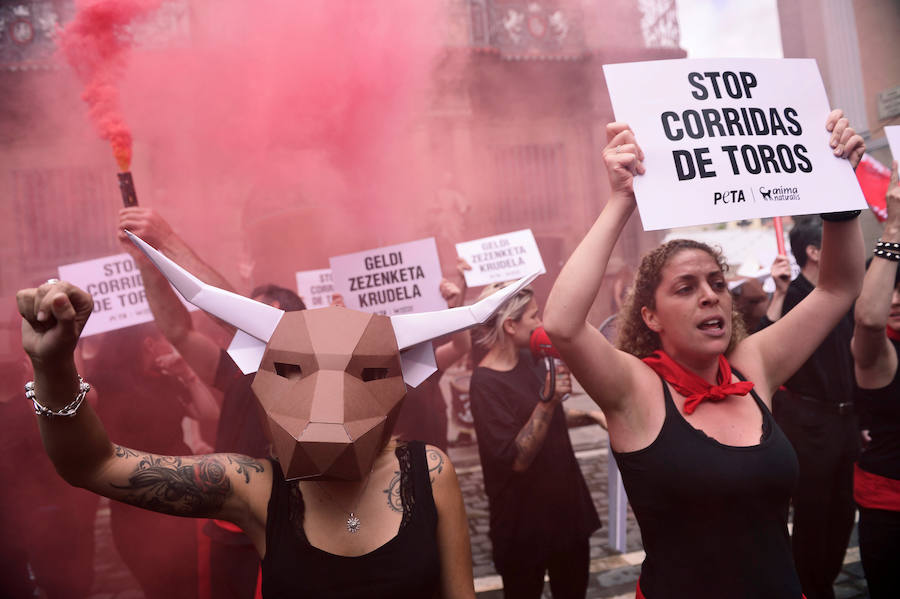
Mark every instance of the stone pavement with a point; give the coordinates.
(613, 575)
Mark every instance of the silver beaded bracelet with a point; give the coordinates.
(67, 410)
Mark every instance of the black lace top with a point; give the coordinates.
(408, 565)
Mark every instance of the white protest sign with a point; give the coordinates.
(115, 284)
(893, 137)
(315, 287)
(118, 291)
(501, 257)
(396, 279)
(730, 139)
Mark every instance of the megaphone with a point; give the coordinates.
(542, 347)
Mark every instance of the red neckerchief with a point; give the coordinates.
(892, 334)
(694, 389)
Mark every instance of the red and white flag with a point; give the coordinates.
(873, 179)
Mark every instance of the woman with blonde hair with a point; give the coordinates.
(541, 513)
(707, 471)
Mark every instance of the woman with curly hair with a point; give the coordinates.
(707, 471)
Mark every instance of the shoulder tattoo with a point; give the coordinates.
(435, 462)
(393, 493)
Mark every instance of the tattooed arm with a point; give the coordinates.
(225, 486)
(208, 486)
(531, 438)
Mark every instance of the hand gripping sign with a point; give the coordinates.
(304, 361)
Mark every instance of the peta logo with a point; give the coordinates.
(779, 194)
(732, 196)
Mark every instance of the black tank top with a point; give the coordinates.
(880, 408)
(406, 566)
(713, 517)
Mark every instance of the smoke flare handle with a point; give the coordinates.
(126, 186)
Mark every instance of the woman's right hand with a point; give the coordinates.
(53, 316)
(624, 159)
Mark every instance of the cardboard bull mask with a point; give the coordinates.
(330, 382)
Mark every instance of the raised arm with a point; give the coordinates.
(581, 345)
(224, 486)
(775, 353)
(781, 274)
(152, 228)
(874, 358)
(460, 342)
(171, 317)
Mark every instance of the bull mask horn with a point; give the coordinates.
(413, 329)
(414, 332)
(257, 321)
(254, 320)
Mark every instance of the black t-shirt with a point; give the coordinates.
(546, 508)
(240, 427)
(828, 374)
(881, 411)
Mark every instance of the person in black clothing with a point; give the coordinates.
(541, 512)
(707, 471)
(816, 412)
(234, 563)
(148, 416)
(876, 343)
(348, 522)
(47, 526)
(423, 416)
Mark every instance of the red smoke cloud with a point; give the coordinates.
(301, 116)
(270, 135)
(95, 44)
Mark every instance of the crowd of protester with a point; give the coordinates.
(723, 407)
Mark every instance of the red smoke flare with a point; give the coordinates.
(95, 44)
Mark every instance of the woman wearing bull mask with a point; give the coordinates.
(336, 539)
(707, 471)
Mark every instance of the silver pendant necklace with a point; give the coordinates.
(353, 521)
